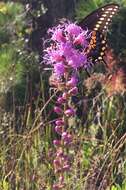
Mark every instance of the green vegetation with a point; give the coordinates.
(98, 152)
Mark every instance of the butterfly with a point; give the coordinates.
(98, 22)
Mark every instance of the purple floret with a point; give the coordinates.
(68, 48)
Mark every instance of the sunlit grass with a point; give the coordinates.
(26, 157)
(98, 151)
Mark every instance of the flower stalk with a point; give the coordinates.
(65, 54)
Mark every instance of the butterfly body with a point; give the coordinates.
(97, 46)
(97, 23)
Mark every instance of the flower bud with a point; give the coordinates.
(67, 138)
(61, 100)
(58, 129)
(59, 122)
(58, 170)
(81, 40)
(56, 187)
(64, 135)
(58, 110)
(72, 82)
(66, 167)
(69, 112)
(73, 91)
(65, 158)
(57, 142)
(61, 179)
(56, 162)
(65, 95)
(58, 36)
(59, 153)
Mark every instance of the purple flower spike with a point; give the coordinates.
(58, 110)
(63, 51)
(66, 52)
(69, 112)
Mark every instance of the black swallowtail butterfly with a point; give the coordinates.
(98, 22)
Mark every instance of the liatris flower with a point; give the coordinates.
(73, 91)
(59, 69)
(72, 82)
(59, 152)
(57, 162)
(65, 96)
(67, 138)
(58, 129)
(66, 54)
(63, 52)
(69, 112)
(73, 29)
(58, 36)
(61, 179)
(59, 122)
(81, 40)
(61, 100)
(77, 60)
(58, 186)
(58, 110)
(66, 167)
(57, 142)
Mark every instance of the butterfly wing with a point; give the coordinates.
(98, 22)
(100, 18)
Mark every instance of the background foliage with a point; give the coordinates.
(26, 131)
